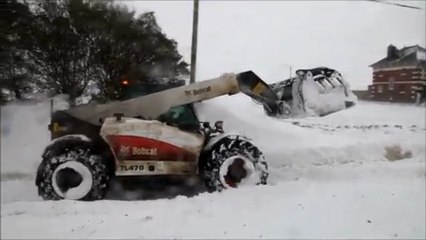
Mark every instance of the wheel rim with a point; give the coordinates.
(237, 171)
(72, 180)
(68, 178)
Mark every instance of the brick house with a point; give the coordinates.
(400, 76)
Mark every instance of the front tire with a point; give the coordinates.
(70, 170)
(234, 162)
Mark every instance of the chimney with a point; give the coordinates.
(392, 52)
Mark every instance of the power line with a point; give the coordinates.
(395, 4)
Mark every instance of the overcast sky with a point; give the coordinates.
(270, 36)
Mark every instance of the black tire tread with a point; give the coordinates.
(71, 150)
(224, 149)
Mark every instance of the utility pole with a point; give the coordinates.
(194, 42)
(290, 67)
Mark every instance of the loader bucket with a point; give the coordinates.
(313, 92)
(326, 91)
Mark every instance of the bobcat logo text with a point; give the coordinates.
(144, 151)
(198, 91)
(126, 151)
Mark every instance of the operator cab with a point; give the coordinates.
(184, 117)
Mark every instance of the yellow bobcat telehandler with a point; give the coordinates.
(160, 134)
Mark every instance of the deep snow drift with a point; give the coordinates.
(328, 179)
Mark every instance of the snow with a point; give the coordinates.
(71, 136)
(24, 134)
(329, 178)
(421, 55)
(331, 100)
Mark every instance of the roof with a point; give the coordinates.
(415, 54)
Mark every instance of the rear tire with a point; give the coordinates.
(70, 170)
(233, 162)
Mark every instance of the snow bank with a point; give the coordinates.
(24, 134)
(355, 135)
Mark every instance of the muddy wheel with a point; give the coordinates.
(70, 170)
(234, 162)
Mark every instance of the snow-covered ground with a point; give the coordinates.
(329, 178)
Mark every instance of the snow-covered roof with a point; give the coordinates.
(412, 54)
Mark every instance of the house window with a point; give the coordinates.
(391, 83)
(379, 88)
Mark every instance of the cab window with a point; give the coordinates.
(179, 115)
